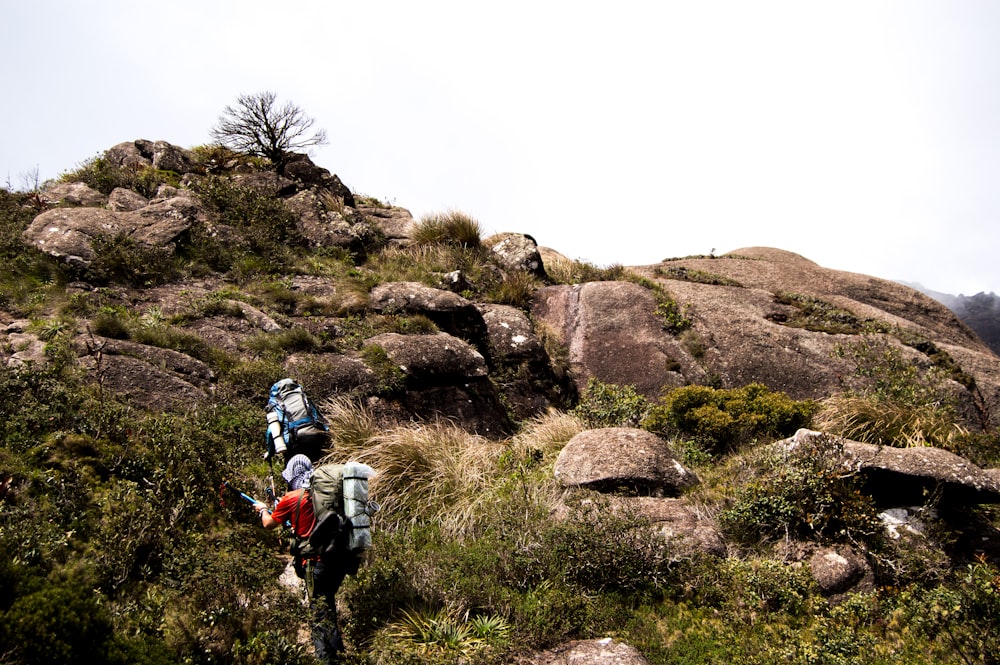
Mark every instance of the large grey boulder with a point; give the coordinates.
(125, 200)
(397, 224)
(179, 364)
(302, 169)
(511, 334)
(449, 311)
(839, 569)
(323, 227)
(617, 459)
(156, 154)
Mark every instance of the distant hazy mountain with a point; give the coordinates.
(980, 312)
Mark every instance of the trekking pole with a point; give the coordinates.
(226, 485)
(232, 488)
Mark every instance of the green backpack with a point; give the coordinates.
(342, 507)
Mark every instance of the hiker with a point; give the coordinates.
(323, 575)
(294, 424)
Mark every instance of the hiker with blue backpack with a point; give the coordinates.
(294, 424)
(328, 514)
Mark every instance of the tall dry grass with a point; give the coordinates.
(439, 472)
(889, 423)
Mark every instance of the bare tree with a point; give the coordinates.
(257, 126)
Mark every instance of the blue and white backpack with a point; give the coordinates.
(298, 416)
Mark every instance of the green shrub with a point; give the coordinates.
(58, 624)
(100, 174)
(262, 228)
(723, 420)
(120, 259)
(801, 493)
(283, 342)
(964, 615)
(610, 405)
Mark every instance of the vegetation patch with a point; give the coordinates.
(683, 274)
(724, 420)
(818, 315)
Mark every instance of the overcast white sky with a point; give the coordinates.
(862, 134)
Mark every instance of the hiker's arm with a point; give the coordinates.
(266, 520)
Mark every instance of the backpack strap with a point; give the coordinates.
(295, 522)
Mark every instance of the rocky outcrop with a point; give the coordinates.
(396, 223)
(431, 359)
(72, 193)
(745, 324)
(446, 378)
(449, 311)
(905, 476)
(68, 233)
(613, 334)
(325, 226)
(157, 154)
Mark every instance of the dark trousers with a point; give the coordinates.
(323, 578)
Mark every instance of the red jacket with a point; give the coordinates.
(296, 507)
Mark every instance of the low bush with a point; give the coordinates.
(104, 176)
(800, 494)
(724, 420)
(609, 405)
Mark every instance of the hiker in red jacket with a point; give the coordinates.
(322, 576)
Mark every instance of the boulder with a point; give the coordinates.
(839, 569)
(176, 363)
(430, 359)
(125, 200)
(604, 651)
(517, 252)
(446, 378)
(449, 311)
(332, 374)
(145, 384)
(266, 183)
(302, 169)
(320, 226)
(622, 459)
(396, 224)
(24, 347)
(72, 193)
(156, 154)
(511, 335)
